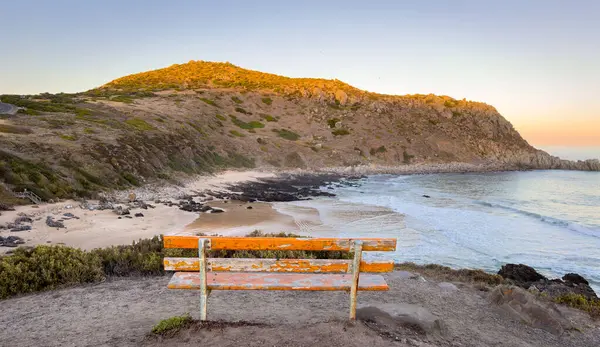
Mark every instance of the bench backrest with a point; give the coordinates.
(280, 244)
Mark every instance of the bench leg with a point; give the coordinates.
(203, 287)
(355, 277)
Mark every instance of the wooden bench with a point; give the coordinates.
(208, 274)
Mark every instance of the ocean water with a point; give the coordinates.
(546, 219)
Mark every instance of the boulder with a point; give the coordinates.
(447, 287)
(575, 279)
(523, 275)
(139, 214)
(120, 211)
(524, 307)
(399, 315)
(54, 224)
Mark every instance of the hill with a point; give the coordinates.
(202, 117)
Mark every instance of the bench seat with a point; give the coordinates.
(276, 281)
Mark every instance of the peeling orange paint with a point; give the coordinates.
(270, 281)
(280, 243)
(275, 265)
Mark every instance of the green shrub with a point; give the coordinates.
(46, 267)
(131, 178)
(256, 124)
(267, 101)
(89, 131)
(11, 129)
(380, 149)
(251, 125)
(287, 134)
(592, 306)
(236, 100)
(172, 325)
(221, 117)
(236, 133)
(340, 132)
(29, 111)
(407, 157)
(209, 101)
(241, 110)
(268, 118)
(68, 137)
(139, 124)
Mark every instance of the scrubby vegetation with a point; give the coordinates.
(209, 101)
(332, 122)
(267, 101)
(250, 125)
(340, 132)
(287, 134)
(268, 118)
(172, 325)
(592, 306)
(380, 149)
(236, 133)
(445, 273)
(48, 267)
(122, 98)
(236, 100)
(68, 137)
(241, 110)
(221, 117)
(139, 124)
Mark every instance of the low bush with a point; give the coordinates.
(139, 124)
(287, 134)
(122, 98)
(448, 274)
(221, 117)
(236, 133)
(209, 101)
(268, 118)
(332, 122)
(250, 125)
(236, 100)
(267, 101)
(407, 157)
(68, 137)
(340, 132)
(578, 301)
(241, 110)
(172, 325)
(380, 149)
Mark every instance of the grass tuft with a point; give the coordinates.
(172, 325)
(287, 134)
(11, 129)
(267, 101)
(209, 101)
(578, 301)
(139, 124)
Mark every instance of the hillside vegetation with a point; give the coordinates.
(203, 117)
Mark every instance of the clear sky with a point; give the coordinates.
(536, 61)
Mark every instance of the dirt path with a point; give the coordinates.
(122, 312)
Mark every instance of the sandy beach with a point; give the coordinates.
(90, 229)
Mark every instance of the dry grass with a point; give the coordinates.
(445, 273)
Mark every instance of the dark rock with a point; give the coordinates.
(21, 228)
(216, 210)
(248, 207)
(139, 215)
(5, 207)
(11, 241)
(190, 206)
(53, 224)
(523, 275)
(120, 217)
(575, 279)
(128, 217)
(426, 196)
(205, 208)
(70, 215)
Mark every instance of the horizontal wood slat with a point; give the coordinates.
(271, 281)
(276, 265)
(280, 243)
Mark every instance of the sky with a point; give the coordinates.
(537, 62)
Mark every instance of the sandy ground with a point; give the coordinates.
(239, 220)
(122, 313)
(96, 229)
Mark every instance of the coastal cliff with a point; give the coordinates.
(201, 117)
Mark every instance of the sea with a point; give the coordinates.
(549, 220)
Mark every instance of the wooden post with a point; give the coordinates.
(355, 277)
(203, 290)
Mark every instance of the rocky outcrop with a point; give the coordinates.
(526, 277)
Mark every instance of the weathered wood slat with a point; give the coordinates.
(276, 265)
(281, 243)
(272, 281)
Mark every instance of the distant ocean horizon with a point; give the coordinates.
(573, 153)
